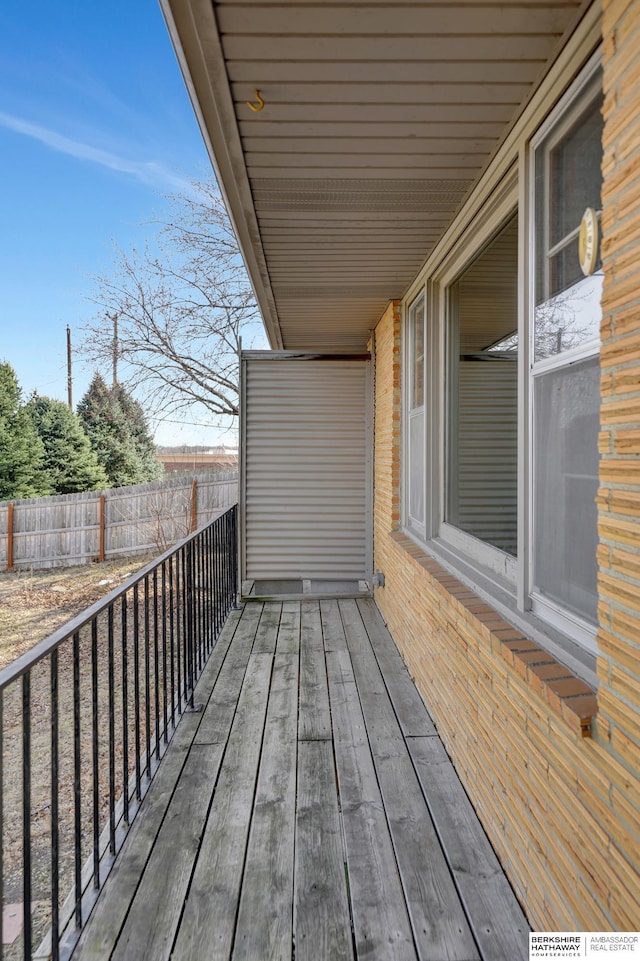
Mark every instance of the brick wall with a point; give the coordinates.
(562, 809)
(619, 496)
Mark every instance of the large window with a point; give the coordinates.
(509, 474)
(482, 395)
(565, 365)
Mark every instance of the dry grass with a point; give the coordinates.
(33, 604)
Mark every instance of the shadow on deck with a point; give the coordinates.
(309, 810)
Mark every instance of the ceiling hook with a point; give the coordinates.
(256, 107)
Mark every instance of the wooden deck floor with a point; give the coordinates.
(309, 811)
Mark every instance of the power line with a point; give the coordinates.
(187, 423)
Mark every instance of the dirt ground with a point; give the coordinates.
(34, 603)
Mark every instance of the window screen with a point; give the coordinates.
(567, 414)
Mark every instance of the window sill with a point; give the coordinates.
(567, 694)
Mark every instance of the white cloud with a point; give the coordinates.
(149, 172)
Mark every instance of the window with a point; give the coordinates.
(482, 396)
(565, 366)
(416, 364)
(509, 473)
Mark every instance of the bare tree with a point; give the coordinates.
(180, 311)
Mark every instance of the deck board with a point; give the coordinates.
(380, 918)
(321, 907)
(314, 719)
(208, 923)
(409, 706)
(437, 917)
(264, 928)
(265, 640)
(497, 920)
(310, 809)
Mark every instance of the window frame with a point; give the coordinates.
(469, 248)
(557, 122)
(510, 577)
(416, 525)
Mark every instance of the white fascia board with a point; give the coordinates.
(194, 34)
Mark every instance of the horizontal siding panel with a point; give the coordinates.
(395, 93)
(385, 48)
(404, 71)
(306, 468)
(391, 113)
(362, 145)
(376, 128)
(396, 18)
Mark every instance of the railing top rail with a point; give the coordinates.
(30, 658)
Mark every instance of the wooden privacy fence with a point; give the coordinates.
(73, 529)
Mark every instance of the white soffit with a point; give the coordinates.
(378, 118)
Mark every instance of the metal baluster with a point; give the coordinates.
(112, 735)
(206, 593)
(95, 734)
(136, 681)
(217, 577)
(213, 579)
(163, 582)
(234, 554)
(125, 708)
(147, 675)
(189, 610)
(156, 666)
(196, 609)
(199, 601)
(178, 629)
(1, 823)
(55, 832)
(172, 645)
(223, 541)
(232, 557)
(77, 809)
(226, 554)
(26, 811)
(183, 595)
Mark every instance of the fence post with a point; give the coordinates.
(194, 506)
(102, 513)
(10, 509)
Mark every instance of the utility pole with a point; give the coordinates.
(115, 349)
(69, 376)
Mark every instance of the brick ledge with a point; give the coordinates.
(567, 695)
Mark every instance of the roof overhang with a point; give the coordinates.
(378, 120)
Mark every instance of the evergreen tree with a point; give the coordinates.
(115, 436)
(69, 460)
(21, 450)
(139, 428)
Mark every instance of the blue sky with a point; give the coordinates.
(95, 128)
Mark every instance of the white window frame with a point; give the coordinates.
(568, 622)
(478, 552)
(417, 525)
(510, 576)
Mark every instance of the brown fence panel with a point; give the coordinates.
(71, 529)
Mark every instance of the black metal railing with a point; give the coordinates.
(85, 717)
